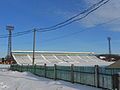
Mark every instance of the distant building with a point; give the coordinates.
(109, 57)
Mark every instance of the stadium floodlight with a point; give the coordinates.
(109, 44)
(10, 29)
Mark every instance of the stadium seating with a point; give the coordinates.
(22, 59)
(60, 59)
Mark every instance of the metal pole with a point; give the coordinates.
(10, 29)
(109, 44)
(10, 43)
(34, 42)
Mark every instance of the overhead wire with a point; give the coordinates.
(73, 17)
(77, 32)
(62, 24)
(39, 30)
(17, 34)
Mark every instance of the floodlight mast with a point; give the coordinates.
(10, 29)
(109, 44)
(109, 47)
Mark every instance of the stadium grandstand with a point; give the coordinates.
(59, 58)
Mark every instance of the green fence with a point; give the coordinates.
(101, 77)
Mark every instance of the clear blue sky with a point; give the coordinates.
(28, 14)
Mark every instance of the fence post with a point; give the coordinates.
(55, 72)
(72, 73)
(35, 69)
(118, 81)
(16, 67)
(27, 67)
(21, 67)
(97, 75)
(45, 70)
(11, 67)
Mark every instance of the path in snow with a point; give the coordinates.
(10, 80)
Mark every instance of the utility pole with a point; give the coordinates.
(109, 44)
(9, 52)
(34, 43)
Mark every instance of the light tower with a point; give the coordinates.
(109, 47)
(109, 44)
(10, 29)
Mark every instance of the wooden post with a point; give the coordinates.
(34, 43)
(45, 70)
(72, 73)
(55, 72)
(97, 75)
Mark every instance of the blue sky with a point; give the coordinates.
(28, 14)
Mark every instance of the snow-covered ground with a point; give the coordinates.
(13, 80)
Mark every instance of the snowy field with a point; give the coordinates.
(13, 80)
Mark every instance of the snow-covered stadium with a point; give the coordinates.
(59, 58)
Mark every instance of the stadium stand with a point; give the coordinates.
(60, 58)
(22, 59)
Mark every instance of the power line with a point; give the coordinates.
(87, 10)
(62, 24)
(73, 20)
(77, 32)
(17, 34)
